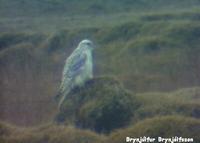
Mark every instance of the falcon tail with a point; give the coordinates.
(57, 96)
(60, 96)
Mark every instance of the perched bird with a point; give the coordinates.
(77, 70)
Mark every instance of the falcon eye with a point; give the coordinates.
(89, 44)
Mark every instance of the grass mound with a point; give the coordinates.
(167, 126)
(184, 102)
(102, 104)
(46, 133)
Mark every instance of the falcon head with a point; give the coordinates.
(86, 44)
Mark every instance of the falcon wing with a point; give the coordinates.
(73, 67)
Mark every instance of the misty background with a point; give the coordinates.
(150, 46)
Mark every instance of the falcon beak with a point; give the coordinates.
(92, 46)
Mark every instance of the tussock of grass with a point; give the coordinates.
(168, 126)
(47, 133)
(9, 39)
(102, 104)
(181, 102)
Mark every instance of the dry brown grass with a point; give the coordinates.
(47, 134)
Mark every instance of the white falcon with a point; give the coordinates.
(77, 70)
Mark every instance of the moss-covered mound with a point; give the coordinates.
(102, 104)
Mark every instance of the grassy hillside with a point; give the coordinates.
(46, 133)
(68, 7)
(147, 52)
(160, 126)
(150, 46)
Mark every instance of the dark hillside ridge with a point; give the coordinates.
(68, 7)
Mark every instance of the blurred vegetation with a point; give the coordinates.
(150, 47)
(46, 133)
(69, 7)
(102, 104)
(168, 126)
